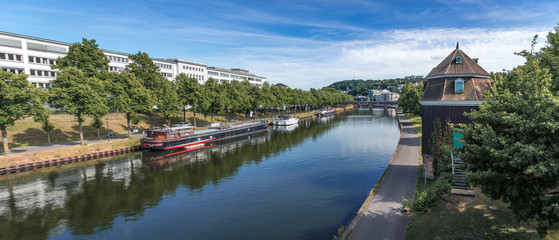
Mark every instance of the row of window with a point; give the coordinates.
(195, 76)
(213, 73)
(9, 56)
(169, 75)
(192, 68)
(42, 85)
(41, 60)
(114, 69)
(42, 73)
(45, 48)
(163, 66)
(13, 70)
(118, 59)
(10, 43)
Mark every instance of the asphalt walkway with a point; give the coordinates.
(382, 217)
(67, 144)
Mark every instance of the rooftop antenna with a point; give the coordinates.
(457, 45)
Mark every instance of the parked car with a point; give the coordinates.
(182, 124)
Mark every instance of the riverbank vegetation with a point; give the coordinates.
(512, 147)
(86, 89)
(458, 217)
(361, 87)
(69, 151)
(511, 151)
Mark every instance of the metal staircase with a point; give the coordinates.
(458, 176)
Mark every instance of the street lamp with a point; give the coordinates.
(108, 130)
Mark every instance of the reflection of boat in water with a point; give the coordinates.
(326, 118)
(284, 120)
(163, 159)
(174, 138)
(289, 128)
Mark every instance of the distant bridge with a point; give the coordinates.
(370, 104)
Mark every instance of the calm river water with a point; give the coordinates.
(296, 182)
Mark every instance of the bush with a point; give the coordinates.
(435, 193)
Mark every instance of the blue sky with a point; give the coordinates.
(304, 44)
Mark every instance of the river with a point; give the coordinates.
(296, 182)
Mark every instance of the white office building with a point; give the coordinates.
(33, 56)
(222, 75)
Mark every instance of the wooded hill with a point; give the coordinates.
(361, 87)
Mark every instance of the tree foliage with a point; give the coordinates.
(18, 99)
(128, 95)
(512, 146)
(168, 100)
(145, 71)
(85, 56)
(79, 95)
(362, 87)
(409, 99)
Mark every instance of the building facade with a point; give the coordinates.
(33, 56)
(454, 87)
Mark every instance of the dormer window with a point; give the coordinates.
(459, 59)
(459, 85)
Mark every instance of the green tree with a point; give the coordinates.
(85, 56)
(549, 56)
(18, 99)
(409, 99)
(512, 146)
(46, 125)
(128, 95)
(168, 100)
(79, 95)
(97, 123)
(188, 90)
(145, 71)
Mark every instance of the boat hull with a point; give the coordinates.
(203, 136)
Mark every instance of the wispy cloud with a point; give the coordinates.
(391, 54)
(301, 43)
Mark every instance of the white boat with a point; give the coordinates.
(284, 120)
(323, 113)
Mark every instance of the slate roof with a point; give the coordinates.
(443, 89)
(449, 66)
(440, 81)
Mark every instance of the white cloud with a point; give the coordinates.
(389, 54)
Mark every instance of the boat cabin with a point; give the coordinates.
(168, 133)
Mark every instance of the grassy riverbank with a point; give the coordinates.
(21, 158)
(66, 123)
(468, 217)
(26, 132)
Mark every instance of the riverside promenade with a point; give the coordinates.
(381, 216)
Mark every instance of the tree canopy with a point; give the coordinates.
(512, 146)
(128, 95)
(18, 99)
(362, 87)
(409, 98)
(85, 56)
(79, 95)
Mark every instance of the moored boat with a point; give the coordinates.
(182, 137)
(322, 113)
(284, 120)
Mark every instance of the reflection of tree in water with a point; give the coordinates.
(100, 200)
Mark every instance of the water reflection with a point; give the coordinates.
(94, 199)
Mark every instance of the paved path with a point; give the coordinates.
(66, 144)
(382, 217)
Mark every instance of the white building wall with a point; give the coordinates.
(33, 56)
